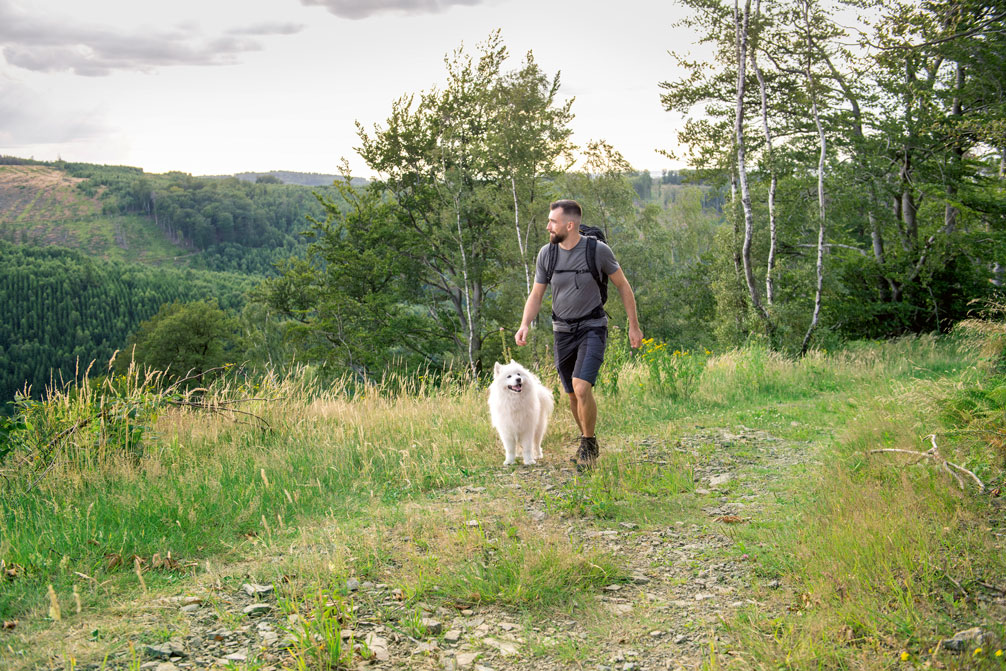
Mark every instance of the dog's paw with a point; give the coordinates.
(530, 462)
(509, 462)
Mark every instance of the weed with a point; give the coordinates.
(317, 633)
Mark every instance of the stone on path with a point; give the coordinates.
(254, 589)
(256, 609)
(506, 648)
(466, 659)
(378, 646)
(962, 640)
(165, 650)
(718, 480)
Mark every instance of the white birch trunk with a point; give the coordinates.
(520, 241)
(820, 189)
(468, 301)
(770, 265)
(741, 26)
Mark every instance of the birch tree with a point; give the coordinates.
(742, 20)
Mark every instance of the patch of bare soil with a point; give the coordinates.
(31, 192)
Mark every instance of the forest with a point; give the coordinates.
(846, 183)
(62, 310)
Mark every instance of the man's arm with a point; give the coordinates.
(629, 301)
(531, 309)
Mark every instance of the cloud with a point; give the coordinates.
(29, 120)
(44, 44)
(361, 9)
(268, 28)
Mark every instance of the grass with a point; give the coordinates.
(875, 558)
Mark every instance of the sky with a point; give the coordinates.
(213, 87)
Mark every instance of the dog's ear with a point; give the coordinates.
(496, 368)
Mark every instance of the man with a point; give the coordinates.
(579, 323)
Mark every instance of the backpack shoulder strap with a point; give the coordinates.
(591, 254)
(551, 261)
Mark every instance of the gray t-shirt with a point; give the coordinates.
(575, 294)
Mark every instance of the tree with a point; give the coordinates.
(184, 338)
(357, 301)
(904, 131)
(461, 167)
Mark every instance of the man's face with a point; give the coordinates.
(558, 226)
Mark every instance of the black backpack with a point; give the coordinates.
(592, 234)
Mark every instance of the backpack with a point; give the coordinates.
(592, 234)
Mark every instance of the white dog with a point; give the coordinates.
(520, 407)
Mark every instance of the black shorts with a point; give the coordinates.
(579, 354)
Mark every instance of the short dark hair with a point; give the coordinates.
(570, 208)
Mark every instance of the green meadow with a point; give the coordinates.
(120, 493)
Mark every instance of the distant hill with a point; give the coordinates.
(43, 205)
(87, 252)
(291, 177)
(240, 223)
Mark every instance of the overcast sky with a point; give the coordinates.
(225, 86)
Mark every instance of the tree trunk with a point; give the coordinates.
(520, 241)
(741, 23)
(770, 265)
(820, 188)
(950, 211)
(466, 316)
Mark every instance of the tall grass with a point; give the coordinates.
(196, 483)
(870, 552)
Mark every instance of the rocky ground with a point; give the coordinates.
(683, 578)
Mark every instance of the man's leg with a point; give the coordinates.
(590, 355)
(576, 412)
(585, 408)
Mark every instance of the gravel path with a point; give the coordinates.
(684, 577)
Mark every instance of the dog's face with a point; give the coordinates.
(512, 376)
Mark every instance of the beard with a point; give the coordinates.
(558, 237)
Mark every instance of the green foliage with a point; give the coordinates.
(413, 270)
(913, 205)
(63, 310)
(182, 339)
(86, 426)
(356, 301)
(976, 412)
(676, 372)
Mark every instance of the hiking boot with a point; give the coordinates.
(586, 455)
(581, 454)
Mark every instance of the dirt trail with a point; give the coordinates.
(684, 577)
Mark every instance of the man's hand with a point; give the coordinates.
(521, 336)
(635, 337)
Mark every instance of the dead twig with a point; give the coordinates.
(994, 588)
(934, 454)
(956, 584)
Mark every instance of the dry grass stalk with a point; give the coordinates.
(54, 610)
(139, 573)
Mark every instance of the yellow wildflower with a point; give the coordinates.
(999, 653)
(904, 657)
(977, 651)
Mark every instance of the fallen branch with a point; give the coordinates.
(934, 453)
